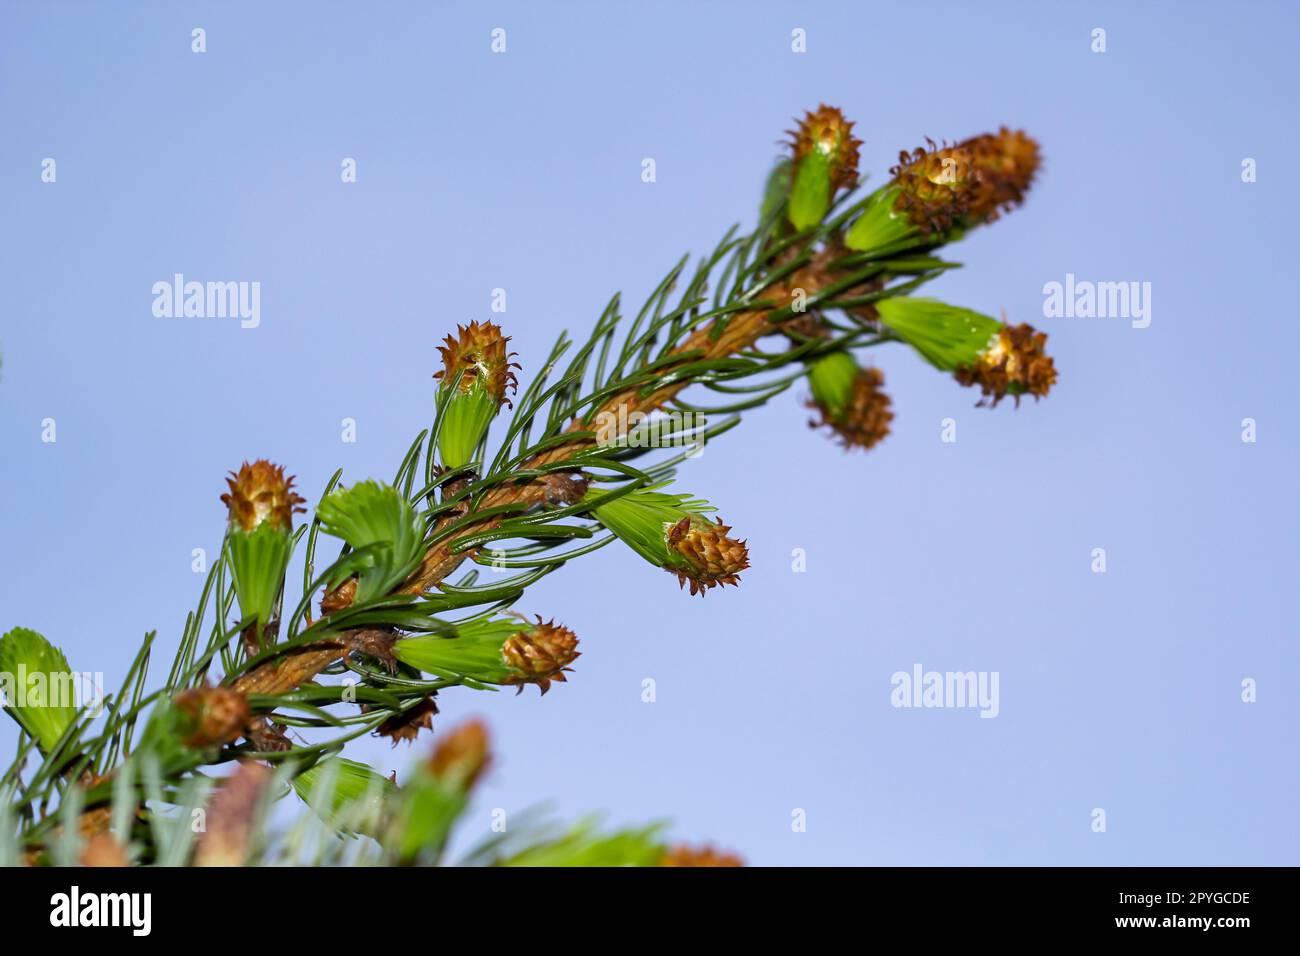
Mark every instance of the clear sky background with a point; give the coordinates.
(521, 170)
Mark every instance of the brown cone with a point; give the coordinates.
(261, 493)
(936, 185)
(1016, 364)
(864, 420)
(406, 726)
(217, 715)
(683, 855)
(541, 654)
(714, 559)
(826, 131)
(479, 349)
(462, 755)
(1005, 163)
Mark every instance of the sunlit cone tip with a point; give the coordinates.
(540, 654)
(214, 715)
(826, 131)
(1005, 163)
(862, 420)
(260, 493)
(462, 755)
(479, 349)
(683, 855)
(712, 558)
(935, 185)
(1015, 364)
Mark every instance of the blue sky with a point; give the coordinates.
(522, 171)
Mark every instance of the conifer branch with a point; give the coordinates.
(827, 272)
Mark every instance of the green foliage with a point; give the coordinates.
(641, 520)
(831, 380)
(472, 653)
(381, 529)
(465, 422)
(879, 227)
(810, 196)
(424, 813)
(346, 794)
(257, 560)
(946, 335)
(165, 738)
(586, 845)
(777, 190)
(37, 684)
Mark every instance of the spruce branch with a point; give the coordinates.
(588, 455)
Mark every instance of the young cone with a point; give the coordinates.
(462, 755)
(1015, 364)
(210, 716)
(672, 532)
(1005, 164)
(405, 726)
(939, 192)
(712, 557)
(979, 350)
(850, 400)
(103, 850)
(503, 651)
(472, 385)
(947, 336)
(261, 503)
(428, 806)
(931, 191)
(825, 160)
(190, 728)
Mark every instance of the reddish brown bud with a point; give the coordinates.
(540, 654)
(1005, 163)
(215, 715)
(682, 855)
(826, 131)
(1015, 364)
(462, 755)
(711, 556)
(480, 350)
(340, 598)
(261, 493)
(863, 419)
(406, 726)
(935, 185)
